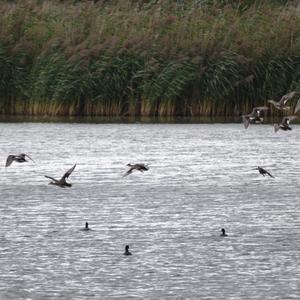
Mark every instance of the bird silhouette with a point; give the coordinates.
(281, 104)
(255, 117)
(138, 167)
(18, 158)
(285, 123)
(62, 182)
(263, 172)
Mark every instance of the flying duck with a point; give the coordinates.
(138, 167)
(62, 182)
(281, 104)
(18, 158)
(285, 123)
(255, 117)
(263, 172)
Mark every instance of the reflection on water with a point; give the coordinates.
(200, 180)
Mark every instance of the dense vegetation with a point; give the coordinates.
(147, 58)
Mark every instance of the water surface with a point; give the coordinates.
(200, 180)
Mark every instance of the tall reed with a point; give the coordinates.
(149, 58)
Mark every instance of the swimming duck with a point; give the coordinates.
(255, 117)
(285, 123)
(18, 158)
(138, 167)
(223, 232)
(86, 228)
(281, 104)
(263, 172)
(127, 250)
(62, 182)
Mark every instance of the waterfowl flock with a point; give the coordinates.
(255, 117)
(257, 114)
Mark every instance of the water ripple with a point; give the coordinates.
(200, 180)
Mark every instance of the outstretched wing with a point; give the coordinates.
(28, 156)
(55, 180)
(297, 106)
(68, 173)
(246, 121)
(128, 172)
(285, 98)
(9, 160)
(276, 127)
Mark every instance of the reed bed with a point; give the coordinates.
(146, 58)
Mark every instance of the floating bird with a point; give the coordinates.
(285, 123)
(223, 232)
(127, 250)
(255, 117)
(18, 158)
(86, 228)
(138, 167)
(263, 172)
(281, 104)
(62, 182)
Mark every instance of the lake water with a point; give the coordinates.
(201, 179)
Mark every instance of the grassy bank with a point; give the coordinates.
(146, 58)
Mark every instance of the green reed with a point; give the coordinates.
(127, 58)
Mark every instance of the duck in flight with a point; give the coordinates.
(263, 172)
(62, 182)
(281, 104)
(285, 123)
(18, 158)
(255, 117)
(138, 167)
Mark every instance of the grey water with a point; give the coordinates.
(201, 179)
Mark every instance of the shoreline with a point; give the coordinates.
(132, 120)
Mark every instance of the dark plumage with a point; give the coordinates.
(263, 172)
(86, 228)
(223, 232)
(138, 167)
(255, 117)
(127, 250)
(62, 182)
(18, 158)
(285, 123)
